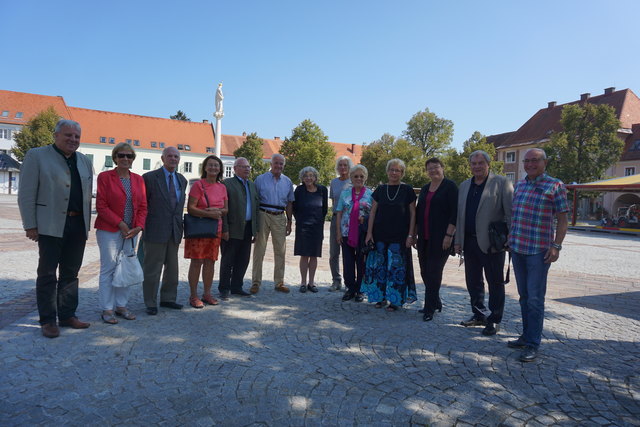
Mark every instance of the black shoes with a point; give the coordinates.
(359, 297)
(474, 321)
(491, 329)
(173, 305)
(241, 293)
(348, 296)
(152, 311)
(529, 354)
(519, 343)
(427, 317)
(224, 295)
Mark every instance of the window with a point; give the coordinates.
(19, 115)
(154, 144)
(90, 157)
(129, 141)
(5, 133)
(146, 164)
(162, 145)
(629, 171)
(136, 143)
(187, 167)
(510, 157)
(636, 145)
(180, 147)
(103, 139)
(511, 176)
(5, 113)
(210, 150)
(187, 148)
(228, 171)
(112, 140)
(108, 161)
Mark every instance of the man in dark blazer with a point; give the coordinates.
(55, 205)
(163, 231)
(482, 199)
(239, 228)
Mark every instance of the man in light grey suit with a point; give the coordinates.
(483, 199)
(163, 232)
(55, 205)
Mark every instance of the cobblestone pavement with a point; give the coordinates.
(309, 359)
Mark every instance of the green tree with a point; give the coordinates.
(38, 132)
(457, 163)
(429, 132)
(251, 149)
(308, 146)
(376, 155)
(587, 145)
(180, 115)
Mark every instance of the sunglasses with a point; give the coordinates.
(127, 155)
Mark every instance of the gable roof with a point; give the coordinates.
(29, 105)
(547, 120)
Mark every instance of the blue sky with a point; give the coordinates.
(359, 69)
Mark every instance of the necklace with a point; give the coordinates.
(394, 197)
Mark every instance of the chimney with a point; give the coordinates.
(276, 138)
(244, 134)
(205, 121)
(551, 104)
(609, 90)
(353, 148)
(584, 96)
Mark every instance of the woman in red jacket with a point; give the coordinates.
(121, 203)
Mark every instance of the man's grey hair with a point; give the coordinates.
(274, 155)
(67, 123)
(360, 168)
(305, 170)
(539, 150)
(482, 153)
(235, 163)
(342, 159)
(169, 148)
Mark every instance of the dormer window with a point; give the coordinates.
(187, 148)
(19, 115)
(154, 144)
(103, 139)
(180, 147)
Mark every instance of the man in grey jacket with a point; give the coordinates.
(482, 199)
(55, 204)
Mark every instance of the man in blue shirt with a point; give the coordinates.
(275, 191)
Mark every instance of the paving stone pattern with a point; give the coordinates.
(310, 359)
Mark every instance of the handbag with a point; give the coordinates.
(196, 227)
(128, 271)
(498, 235)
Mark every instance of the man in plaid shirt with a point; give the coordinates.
(537, 200)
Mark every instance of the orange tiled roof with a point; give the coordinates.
(547, 120)
(29, 105)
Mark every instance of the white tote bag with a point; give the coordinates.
(128, 271)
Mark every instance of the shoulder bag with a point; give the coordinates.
(196, 227)
(128, 271)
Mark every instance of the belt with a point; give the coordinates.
(271, 212)
(73, 213)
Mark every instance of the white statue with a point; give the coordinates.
(219, 99)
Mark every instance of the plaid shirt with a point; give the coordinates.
(535, 203)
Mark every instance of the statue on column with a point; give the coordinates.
(219, 99)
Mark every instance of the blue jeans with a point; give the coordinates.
(531, 276)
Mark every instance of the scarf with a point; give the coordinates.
(354, 218)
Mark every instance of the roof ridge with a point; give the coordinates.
(138, 116)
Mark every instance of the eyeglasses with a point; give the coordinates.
(243, 166)
(434, 168)
(534, 160)
(396, 170)
(127, 155)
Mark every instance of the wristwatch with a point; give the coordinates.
(557, 246)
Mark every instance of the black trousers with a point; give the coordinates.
(235, 260)
(58, 266)
(475, 261)
(352, 266)
(432, 262)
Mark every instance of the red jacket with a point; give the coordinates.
(111, 198)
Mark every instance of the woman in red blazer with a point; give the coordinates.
(121, 203)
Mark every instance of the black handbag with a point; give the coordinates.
(196, 227)
(498, 240)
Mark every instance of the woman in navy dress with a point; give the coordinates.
(309, 209)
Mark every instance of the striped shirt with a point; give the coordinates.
(535, 203)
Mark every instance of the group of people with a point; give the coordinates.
(374, 230)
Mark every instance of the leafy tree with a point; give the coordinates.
(251, 149)
(429, 132)
(457, 164)
(180, 115)
(376, 155)
(587, 145)
(308, 146)
(38, 132)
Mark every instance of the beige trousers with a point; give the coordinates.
(276, 225)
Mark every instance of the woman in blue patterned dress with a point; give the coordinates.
(389, 270)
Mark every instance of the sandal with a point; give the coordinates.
(109, 318)
(195, 302)
(303, 288)
(381, 304)
(312, 288)
(392, 308)
(126, 314)
(208, 299)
